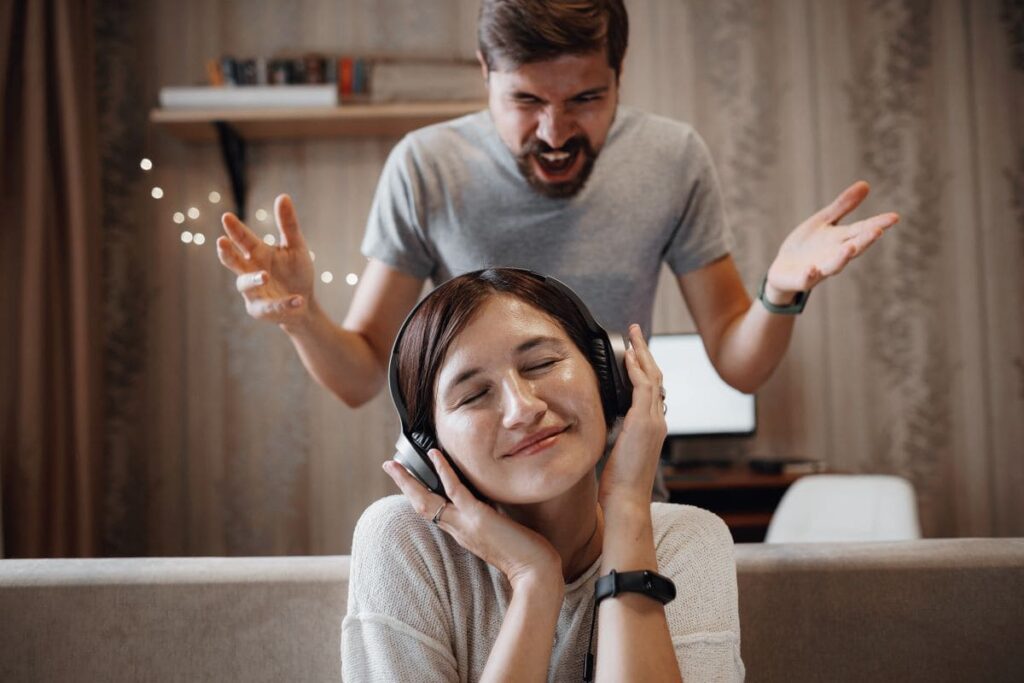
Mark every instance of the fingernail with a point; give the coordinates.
(295, 302)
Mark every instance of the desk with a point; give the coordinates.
(745, 499)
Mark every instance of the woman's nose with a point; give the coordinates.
(520, 404)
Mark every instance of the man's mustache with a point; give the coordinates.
(572, 145)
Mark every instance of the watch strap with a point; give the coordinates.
(645, 582)
(794, 308)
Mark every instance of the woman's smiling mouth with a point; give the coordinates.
(537, 442)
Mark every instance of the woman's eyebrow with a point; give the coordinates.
(534, 342)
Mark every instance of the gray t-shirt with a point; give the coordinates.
(451, 200)
(423, 608)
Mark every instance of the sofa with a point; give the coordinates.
(926, 610)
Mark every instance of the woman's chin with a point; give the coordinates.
(542, 489)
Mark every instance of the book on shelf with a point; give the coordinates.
(408, 80)
(316, 80)
(253, 96)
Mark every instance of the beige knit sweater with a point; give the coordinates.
(422, 608)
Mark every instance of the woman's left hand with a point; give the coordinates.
(633, 463)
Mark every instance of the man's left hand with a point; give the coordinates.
(818, 248)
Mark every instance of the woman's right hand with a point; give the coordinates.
(519, 553)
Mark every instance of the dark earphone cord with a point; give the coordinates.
(588, 659)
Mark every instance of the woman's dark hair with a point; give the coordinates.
(511, 33)
(447, 311)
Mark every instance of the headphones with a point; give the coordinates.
(606, 353)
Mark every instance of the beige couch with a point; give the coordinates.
(934, 610)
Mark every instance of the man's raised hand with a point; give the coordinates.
(275, 281)
(819, 248)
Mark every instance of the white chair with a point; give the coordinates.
(846, 507)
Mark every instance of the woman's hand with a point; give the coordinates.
(629, 473)
(521, 554)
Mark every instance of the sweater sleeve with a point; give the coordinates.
(695, 550)
(399, 619)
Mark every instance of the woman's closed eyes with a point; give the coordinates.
(530, 369)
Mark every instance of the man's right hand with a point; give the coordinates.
(275, 281)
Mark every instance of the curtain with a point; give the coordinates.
(51, 337)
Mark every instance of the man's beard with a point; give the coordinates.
(575, 145)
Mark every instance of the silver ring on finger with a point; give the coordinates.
(664, 408)
(437, 515)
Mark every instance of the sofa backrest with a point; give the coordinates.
(928, 610)
(933, 610)
(172, 619)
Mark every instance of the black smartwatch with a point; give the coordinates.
(796, 307)
(645, 582)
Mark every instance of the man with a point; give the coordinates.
(555, 177)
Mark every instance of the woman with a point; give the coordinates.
(496, 367)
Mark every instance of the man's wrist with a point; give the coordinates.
(779, 301)
(778, 297)
(302, 326)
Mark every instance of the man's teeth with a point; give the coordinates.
(554, 157)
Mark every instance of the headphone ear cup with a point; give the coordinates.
(605, 381)
(411, 453)
(608, 357)
(621, 386)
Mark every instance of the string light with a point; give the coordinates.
(214, 197)
(186, 237)
(199, 239)
(156, 193)
(352, 279)
(327, 277)
(145, 164)
(193, 213)
(269, 239)
(179, 217)
(261, 215)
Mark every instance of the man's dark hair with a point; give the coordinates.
(511, 33)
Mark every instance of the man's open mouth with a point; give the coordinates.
(557, 173)
(556, 162)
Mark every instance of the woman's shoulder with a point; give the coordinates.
(686, 525)
(392, 523)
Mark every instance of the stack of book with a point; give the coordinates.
(316, 80)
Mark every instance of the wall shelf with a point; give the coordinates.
(347, 120)
(235, 128)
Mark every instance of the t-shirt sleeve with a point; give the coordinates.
(702, 234)
(395, 229)
(695, 550)
(398, 621)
